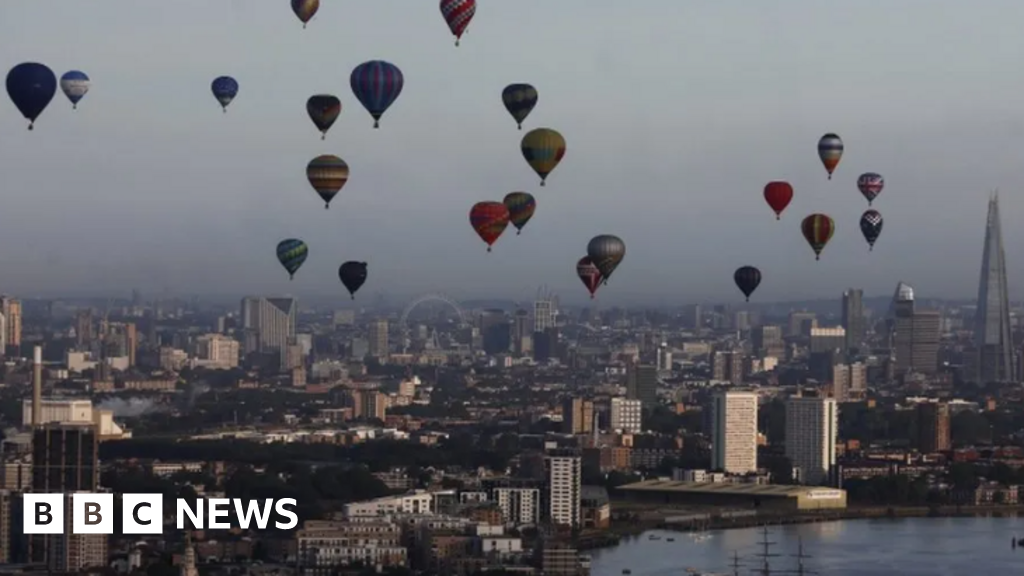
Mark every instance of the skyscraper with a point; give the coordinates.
(734, 432)
(853, 317)
(543, 315)
(272, 320)
(915, 333)
(379, 345)
(642, 384)
(12, 314)
(811, 428)
(992, 341)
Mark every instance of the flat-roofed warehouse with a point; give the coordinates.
(765, 496)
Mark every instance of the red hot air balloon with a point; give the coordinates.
(489, 219)
(778, 195)
(458, 13)
(589, 275)
(818, 230)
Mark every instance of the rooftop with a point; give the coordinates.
(723, 488)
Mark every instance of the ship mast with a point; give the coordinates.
(766, 546)
(736, 565)
(801, 570)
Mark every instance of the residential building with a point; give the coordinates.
(812, 425)
(734, 432)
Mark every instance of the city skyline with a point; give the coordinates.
(157, 189)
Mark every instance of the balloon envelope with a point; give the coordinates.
(543, 149)
(830, 150)
(818, 230)
(606, 252)
(489, 220)
(352, 276)
(291, 253)
(327, 175)
(377, 84)
(458, 14)
(778, 195)
(75, 85)
(747, 279)
(305, 10)
(519, 100)
(323, 110)
(589, 274)
(870, 185)
(224, 89)
(871, 227)
(31, 87)
(521, 206)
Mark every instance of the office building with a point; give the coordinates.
(734, 432)
(564, 471)
(626, 416)
(853, 318)
(824, 339)
(379, 347)
(849, 381)
(800, 323)
(767, 341)
(992, 338)
(642, 384)
(543, 314)
(577, 416)
(272, 321)
(11, 308)
(812, 425)
(522, 334)
(495, 331)
(933, 433)
(216, 351)
(728, 366)
(664, 358)
(916, 334)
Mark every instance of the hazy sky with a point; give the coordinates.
(676, 114)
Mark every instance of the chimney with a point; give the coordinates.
(37, 386)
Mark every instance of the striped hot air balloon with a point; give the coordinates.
(519, 100)
(377, 84)
(291, 253)
(543, 149)
(818, 230)
(489, 220)
(327, 175)
(830, 150)
(521, 206)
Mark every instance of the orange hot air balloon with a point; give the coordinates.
(818, 230)
(778, 195)
(489, 219)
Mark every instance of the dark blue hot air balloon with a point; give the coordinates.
(377, 84)
(31, 87)
(224, 88)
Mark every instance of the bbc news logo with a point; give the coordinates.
(144, 513)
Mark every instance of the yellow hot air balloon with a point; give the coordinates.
(543, 149)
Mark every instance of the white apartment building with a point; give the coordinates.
(734, 432)
(811, 428)
(418, 502)
(565, 478)
(627, 415)
(216, 351)
(519, 506)
(323, 545)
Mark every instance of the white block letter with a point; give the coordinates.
(219, 509)
(92, 513)
(195, 515)
(44, 514)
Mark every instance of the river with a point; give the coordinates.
(911, 546)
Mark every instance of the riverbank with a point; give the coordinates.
(712, 521)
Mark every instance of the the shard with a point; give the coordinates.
(994, 362)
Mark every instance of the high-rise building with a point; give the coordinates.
(522, 336)
(824, 339)
(496, 331)
(992, 340)
(12, 314)
(564, 470)
(853, 317)
(767, 341)
(84, 332)
(849, 381)
(642, 384)
(216, 351)
(272, 320)
(378, 340)
(916, 334)
(811, 428)
(933, 427)
(800, 323)
(543, 315)
(519, 505)
(577, 416)
(734, 432)
(626, 415)
(728, 366)
(131, 342)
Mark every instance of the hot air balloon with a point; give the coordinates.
(489, 219)
(521, 206)
(305, 10)
(830, 150)
(352, 276)
(606, 252)
(224, 88)
(870, 185)
(327, 175)
(818, 230)
(377, 84)
(458, 13)
(778, 195)
(75, 85)
(323, 110)
(589, 274)
(31, 87)
(291, 253)
(519, 100)
(747, 279)
(543, 149)
(871, 227)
